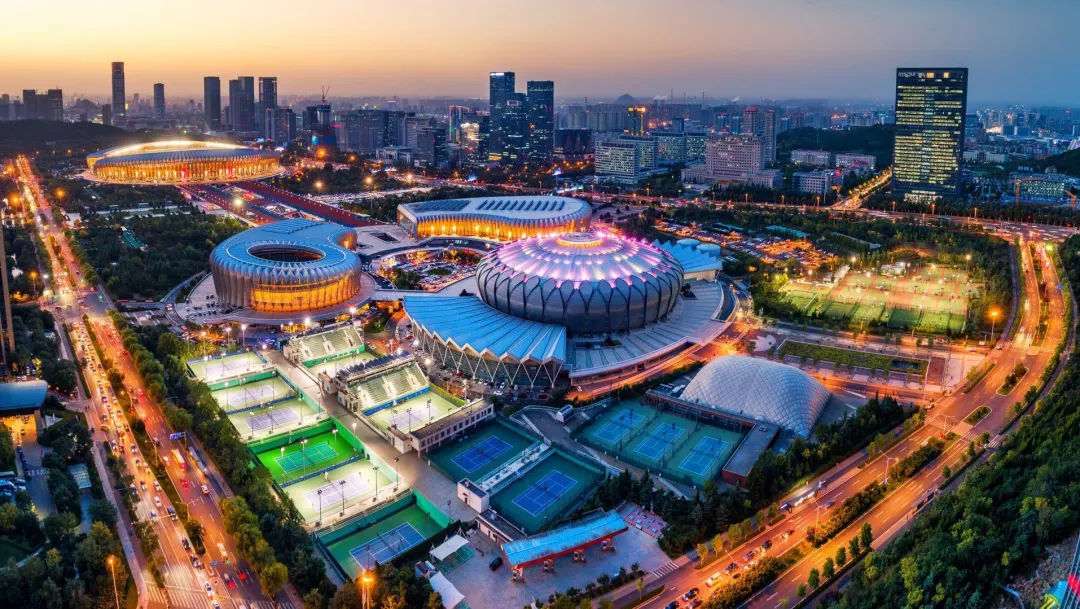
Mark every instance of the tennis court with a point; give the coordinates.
(546, 493)
(278, 418)
(414, 413)
(331, 367)
(661, 439)
(361, 479)
(458, 458)
(619, 424)
(480, 455)
(301, 457)
(308, 457)
(209, 371)
(240, 396)
(334, 493)
(703, 455)
(381, 538)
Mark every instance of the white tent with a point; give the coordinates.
(448, 547)
(450, 595)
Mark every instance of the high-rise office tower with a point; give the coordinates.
(501, 86)
(636, 122)
(119, 95)
(159, 100)
(280, 125)
(454, 118)
(768, 136)
(751, 121)
(267, 101)
(212, 102)
(106, 114)
(242, 103)
(54, 105)
(5, 107)
(928, 150)
(30, 104)
(541, 115)
(431, 147)
(514, 128)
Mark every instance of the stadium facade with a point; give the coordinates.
(181, 162)
(496, 218)
(291, 266)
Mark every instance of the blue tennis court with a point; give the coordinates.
(307, 457)
(615, 429)
(703, 456)
(660, 439)
(544, 492)
(385, 547)
(480, 455)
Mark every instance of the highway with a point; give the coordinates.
(889, 517)
(185, 585)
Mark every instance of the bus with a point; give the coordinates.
(180, 462)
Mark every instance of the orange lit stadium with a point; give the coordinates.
(181, 162)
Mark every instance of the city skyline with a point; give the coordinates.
(821, 48)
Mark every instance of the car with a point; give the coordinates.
(691, 593)
(185, 543)
(157, 501)
(134, 449)
(695, 603)
(495, 563)
(230, 582)
(730, 568)
(184, 482)
(715, 577)
(735, 575)
(142, 484)
(749, 555)
(672, 605)
(829, 503)
(216, 605)
(209, 589)
(205, 490)
(767, 544)
(153, 515)
(157, 487)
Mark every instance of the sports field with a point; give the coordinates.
(278, 418)
(546, 493)
(414, 412)
(483, 451)
(928, 299)
(355, 482)
(332, 366)
(678, 447)
(209, 371)
(383, 535)
(304, 455)
(237, 395)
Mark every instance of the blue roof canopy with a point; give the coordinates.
(571, 537)
(22, 395)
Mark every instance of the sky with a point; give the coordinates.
(1021, 51)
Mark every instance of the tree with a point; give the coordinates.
(393, 601)
(272, 578)
(585, 604)
(195, 532)
(702, 552)
(814, 579)
(841, 556)
(606, 603)
(314, 599)
(827, 569)
(853, 547)
(946, 472)
(434, 601)
(866, 536)
(801, 590)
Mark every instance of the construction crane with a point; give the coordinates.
(325, 90)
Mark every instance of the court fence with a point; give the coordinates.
(319, 472)
(498, 421)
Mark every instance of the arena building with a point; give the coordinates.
(181, 162)
(586, 305)
(497, 218)
(292, 266)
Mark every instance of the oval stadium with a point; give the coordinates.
(181, 162)
(497, 218)
(587, 282)
(290, 266)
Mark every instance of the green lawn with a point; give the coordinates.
(851, 358)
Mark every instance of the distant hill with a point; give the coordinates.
(47, 136)
(1066, 162)
(876, 140)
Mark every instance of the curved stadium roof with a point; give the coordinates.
(760, 389)
(174, 151)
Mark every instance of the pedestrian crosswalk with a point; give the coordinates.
(36, 471)
(185, 598)
(664, 569)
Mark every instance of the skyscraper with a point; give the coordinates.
(267, 101)
(242, 103)
(636, 121)
(119, 95)
(502, 86)
(454, 117)
(159, 100)
(768, 136)
(54, 105)
(212, 102)
(514, 128)
(541, 116)
(31, 104)
(106, 114)
(929, 134)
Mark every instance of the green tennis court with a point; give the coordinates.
(533, 503)
(414, 413)
(224, 367)
(701, 457)
(460, 459)
(320, 451)
(619, 424)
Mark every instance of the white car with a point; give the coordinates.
(205, 490)
(157, 487)
(157, 500)
(715, 577)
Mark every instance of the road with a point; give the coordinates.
(184, 583)
(894, 512)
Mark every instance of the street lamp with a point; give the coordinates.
(366, 579)
(320, 505)
(243, 335)
(396, 478)
(112, 567)
(375, 499)
(993, 321)
(341, 483)
(282, 457)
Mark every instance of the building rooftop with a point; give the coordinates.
(513, 207)
(22, 395)
(565, 539)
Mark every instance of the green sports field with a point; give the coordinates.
(299, 458)
(279, 418)
(238, 395)
(460, 458)
(533, 504)
(414, 412)
(332, 366)
(239, 363)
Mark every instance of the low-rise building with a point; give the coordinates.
(617, 162)
(813, 182)
(847, 160)
(818, 158)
